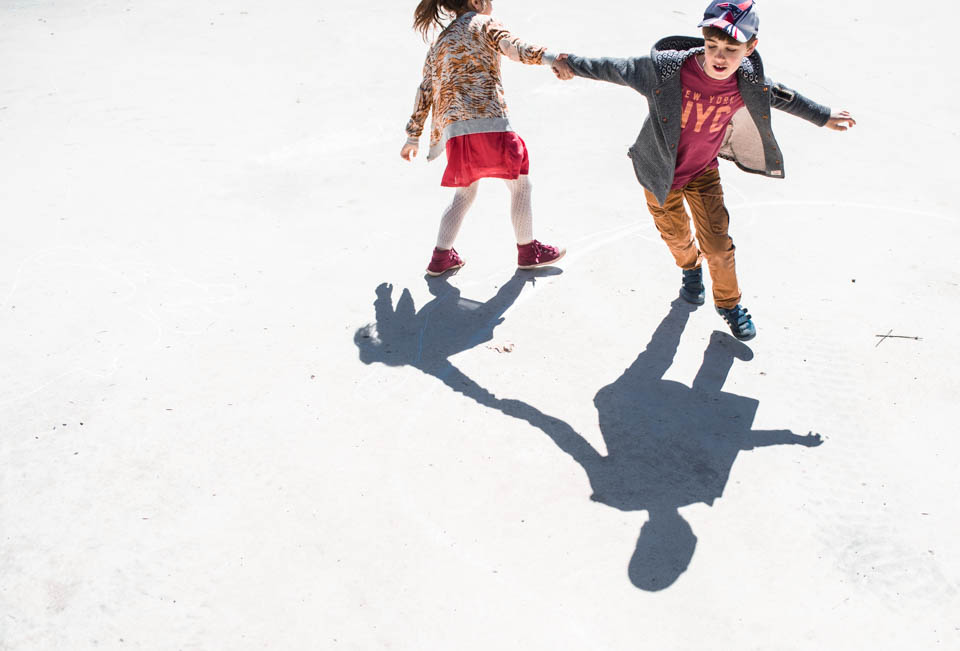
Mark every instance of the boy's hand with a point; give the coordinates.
(840, 121)
(811, 440)
(562, 69)
(409, 152)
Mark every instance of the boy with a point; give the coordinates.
(707, 97)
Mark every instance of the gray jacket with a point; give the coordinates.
(749, 140)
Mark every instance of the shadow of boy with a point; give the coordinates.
(670, 445)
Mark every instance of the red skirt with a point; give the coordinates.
(501, 155)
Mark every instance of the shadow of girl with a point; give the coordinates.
(447, 325)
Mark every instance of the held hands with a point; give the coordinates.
(409, 152)
(562, 69)
(840, 121)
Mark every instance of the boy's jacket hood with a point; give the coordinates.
(670, 53)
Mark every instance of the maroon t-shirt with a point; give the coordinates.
(708, 105)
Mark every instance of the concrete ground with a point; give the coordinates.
(235, 415)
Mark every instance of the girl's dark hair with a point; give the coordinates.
(432, 13)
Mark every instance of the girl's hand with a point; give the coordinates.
(562, 69)
(409, 152)
(840, 121)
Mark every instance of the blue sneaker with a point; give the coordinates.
(692, 290)
(739, 321)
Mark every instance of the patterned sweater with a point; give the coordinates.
(461, 80)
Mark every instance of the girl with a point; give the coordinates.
(461, 84)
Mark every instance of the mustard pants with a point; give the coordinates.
(704, 196)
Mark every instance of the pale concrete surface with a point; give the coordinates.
(200, 201)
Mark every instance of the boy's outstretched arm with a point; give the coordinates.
(637, 73)
(792, 102)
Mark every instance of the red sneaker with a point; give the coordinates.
(536, 254)
(443, 261)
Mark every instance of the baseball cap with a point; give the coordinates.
(738, 19)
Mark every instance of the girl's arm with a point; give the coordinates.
(523, 52)
(513, 48)
(421, 109)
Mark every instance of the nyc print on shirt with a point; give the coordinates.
(708, 106)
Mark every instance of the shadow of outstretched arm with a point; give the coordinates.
(763, 438)
(559, 431)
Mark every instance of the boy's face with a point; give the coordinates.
(722, 58)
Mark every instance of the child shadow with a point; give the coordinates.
(447, 325)
(669, 445)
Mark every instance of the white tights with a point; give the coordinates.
(521, 213)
